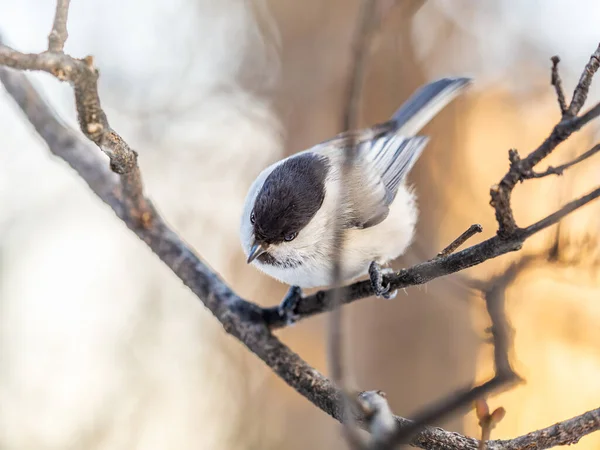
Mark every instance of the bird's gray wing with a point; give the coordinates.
(378, 170)
(387, 152)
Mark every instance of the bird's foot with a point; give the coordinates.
(376, 274)
(287, 307)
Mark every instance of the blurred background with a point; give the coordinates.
(101, 347)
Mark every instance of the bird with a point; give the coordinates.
(290, 212)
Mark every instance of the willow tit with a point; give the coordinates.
(286, 227)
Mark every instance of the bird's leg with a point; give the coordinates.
(287, 307)
(376, 275)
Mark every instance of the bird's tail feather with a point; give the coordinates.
(425, 103)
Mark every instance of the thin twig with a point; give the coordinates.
(558, 215)
(579, 122)
(560, 169)
(58, 36)
(487, 420)
(555, 248)
(557, 83)
(581, 90)
(471, 231)
(485, 436)
(360, 51)
(361, 47)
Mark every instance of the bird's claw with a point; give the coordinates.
(376, 276)
(287, 307)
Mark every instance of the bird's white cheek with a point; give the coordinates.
(299, 245)
(246, 235)
(280, 251)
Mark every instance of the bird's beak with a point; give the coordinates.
(257, 249)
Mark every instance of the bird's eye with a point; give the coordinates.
(290, 237)
(252, 218)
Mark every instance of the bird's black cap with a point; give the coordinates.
(290, 197)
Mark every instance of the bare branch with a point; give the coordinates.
(495, 299)
(62, 141)
(564, 211)
(560, 169)
(58, 36)
(360, 52)
(562, 433)
(587, 117)
(557, 83)
(471, 231)
(520, 168)
(581, 91)
(84, 77)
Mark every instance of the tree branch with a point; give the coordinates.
(520, 168)
(468, 234)
(564, 211)
(560, 169)
(82, 75)
(562, 433)
(556, 81)
(587, 117)
(583, 87)
(122, 190)
(58, 36)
